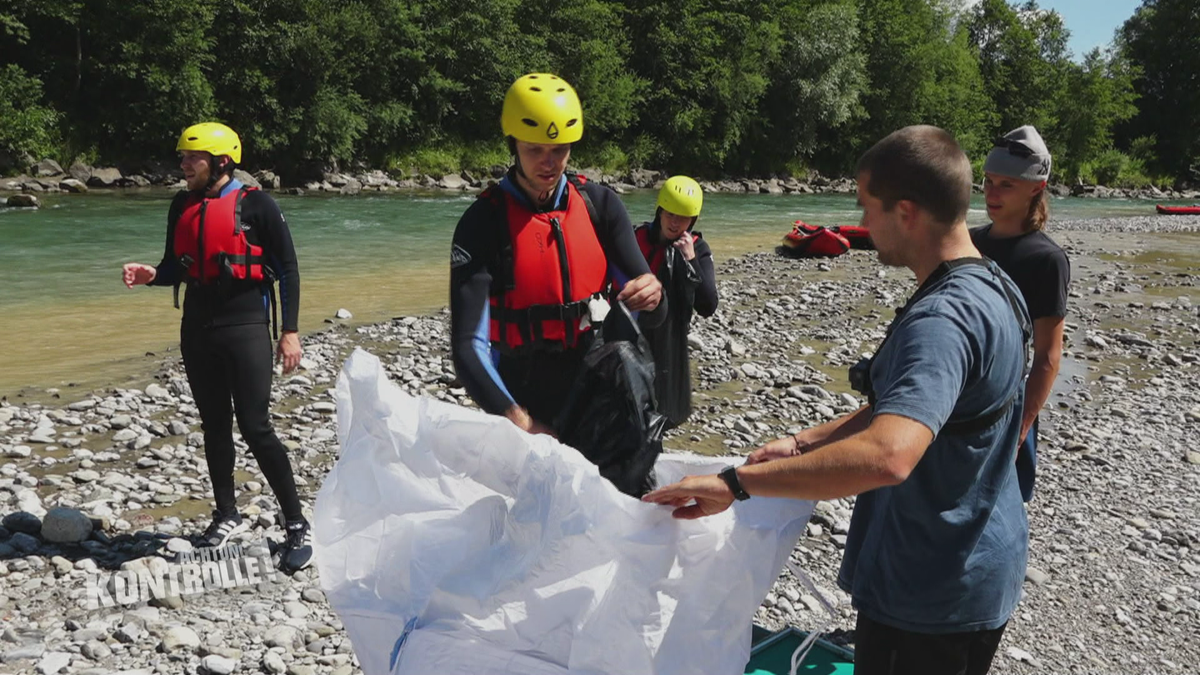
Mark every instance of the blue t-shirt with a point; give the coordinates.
(945, 550)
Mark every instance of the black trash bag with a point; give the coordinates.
(610, 414)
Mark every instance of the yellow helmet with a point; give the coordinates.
(211, 137)
(682, 196)
(542, 108)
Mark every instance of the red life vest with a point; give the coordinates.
(209, 237)
(654, 254)
(552, 267)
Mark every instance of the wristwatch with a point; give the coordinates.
(729, 475)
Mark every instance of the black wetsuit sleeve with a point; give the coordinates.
(169, 272)
(620, 244)
(475, 249)
(269, 229)
(706, 294)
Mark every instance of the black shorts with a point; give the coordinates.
(880, 649)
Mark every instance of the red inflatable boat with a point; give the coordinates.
(1193, 210)
(815, 241)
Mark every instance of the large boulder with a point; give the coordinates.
(268, 179)
(104, 178)
(80, 172)
(452, 181)
(72, 185)
(23, 201)
(643, 178)
(46, 167)
(66, 526)
(246, 178)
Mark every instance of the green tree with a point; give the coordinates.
(27, 125)
(1023, 60)
(816, 85)
(587, 43)
(1162, 40)
(1099, 95)
(708, 65)
(922, 70)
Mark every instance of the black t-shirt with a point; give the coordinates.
(1039, 267)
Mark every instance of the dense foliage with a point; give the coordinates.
(698, 86)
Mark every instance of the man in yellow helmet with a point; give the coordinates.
(227, 243)
(683, 262)
(531, 256)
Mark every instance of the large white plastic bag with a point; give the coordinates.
(451, 542)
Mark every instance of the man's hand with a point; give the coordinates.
(710, 493)
(644, 292)
(685, 245)
(136, 274)
(288, 352)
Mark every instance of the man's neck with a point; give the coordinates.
(538, 199)
(215, 190)
(941, 248)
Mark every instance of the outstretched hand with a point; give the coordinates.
(136, 274)
(709, 493)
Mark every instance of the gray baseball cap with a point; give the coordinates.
(1021, 153)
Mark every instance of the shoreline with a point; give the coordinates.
(1114, 535)
(142, 366)
(81, 178)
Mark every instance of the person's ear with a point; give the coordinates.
(908, 213)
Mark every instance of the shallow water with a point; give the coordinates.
(68, 321)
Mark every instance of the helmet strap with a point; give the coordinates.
(215, 172)
(512, 150)
(656, 233)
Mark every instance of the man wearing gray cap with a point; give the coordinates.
(1014, 188)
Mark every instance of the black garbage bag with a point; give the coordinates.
(610, 414)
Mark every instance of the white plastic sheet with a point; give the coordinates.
(450, 542)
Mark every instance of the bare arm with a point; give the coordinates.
(883, 454)
(1047, 355)
(814, 437)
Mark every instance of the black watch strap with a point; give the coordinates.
(729, 475)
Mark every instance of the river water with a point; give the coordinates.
(68, 321)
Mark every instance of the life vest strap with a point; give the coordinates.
(539, 313)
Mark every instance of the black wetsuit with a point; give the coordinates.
(227, 352)
(689, 286)
(539, 381)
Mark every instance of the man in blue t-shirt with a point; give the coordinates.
(936, 551)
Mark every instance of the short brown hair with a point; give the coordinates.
(922, 164)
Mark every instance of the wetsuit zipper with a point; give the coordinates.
(563, 267)
(200, 240)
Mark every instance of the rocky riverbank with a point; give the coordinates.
(48, 176)
(115, 479)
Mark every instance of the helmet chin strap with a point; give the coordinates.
(543, 196)
(214, 173)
